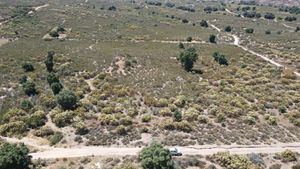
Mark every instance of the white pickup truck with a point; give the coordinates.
(174, 151)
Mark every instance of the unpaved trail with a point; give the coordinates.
(264, 57)
(192, 150)
(287, 26)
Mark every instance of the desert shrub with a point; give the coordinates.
(202, 119)
(54, 33)
(220, 58)
(126, 165)
(249, 120)
(108, 119)
(108, 110)
(28, 67)
(14, 156)
(282, 109)
(56, 138)
(191, 114)
(232, 161)
(272, 120)
(168, 124)
(56, 87)
(228, 29)
(288, 156)
(249, 30)
(13, 128)
(187, 58)
(220, 118)
(149, 100)
(180, 101)
(112, 8)
(52, 78)
(80, 128)
(269, 16)
(189, 39)
(275, 166)
(153, 2)
(13, 114)
(165, 112)
(204, 23)
(169, 4)
(23, 79)
(184, 126)
(181, 46)
(156, 156)
(162, 102)
(212, 38)
(121, 130)
(43, 132)
(177, 116)
(61, 119)
(146, 118)
(29, 88)
(296, 166)
(66, 99)
(26, 105)
(185, 21)
(290, 18)
(297, 29)
(186, 8)
(37, 119)
(267, 32)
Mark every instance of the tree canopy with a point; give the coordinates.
(187, 58)
(14, 156)
(156, 156)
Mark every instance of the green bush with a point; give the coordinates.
(228, 29)
(37, 119)
(146, 118)
(14, 156)
(29, 88)
(156, 157)
(49, 61)
(212, 38)
(220, 58)
(61, 119)
(26, 105)
(232, 161)
(13, 128)
(23, 79)
(296, 166)
(189, 39)
(288, 156)
(52, 78)
(181, 46)
(28, 67)
(177, 116)
(56, 87)
(204, 23)
(121, 130)
(249, 30)
(66, 99)
(187, 58)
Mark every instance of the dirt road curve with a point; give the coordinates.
(197, 150)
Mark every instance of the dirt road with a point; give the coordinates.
(196, 150)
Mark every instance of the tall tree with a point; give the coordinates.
(187, 58)
(14, 156)
(49, 61)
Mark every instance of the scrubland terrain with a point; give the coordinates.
(119, 60)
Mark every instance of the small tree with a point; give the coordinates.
(228, 29)
(14, 156)
(204, 23)
(269, 16)
(26, 105)
(56, 87)
(28, 67)
(23, 79)
(29, 88)
(297, 29)
(187, 58)
(156, 157)
(212, 38)
(66, 99)
(185, 21)
(49, 61)
(220, 58)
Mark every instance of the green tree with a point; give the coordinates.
(49, 61)
(52, 78)
(29, 88)
(249, 30)
(212, 38)
(56, 87)
(14, 156)
(220, 58)
(26, 105)
(66, 99)
(28, 67)
(187, 58)
(156, 156)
